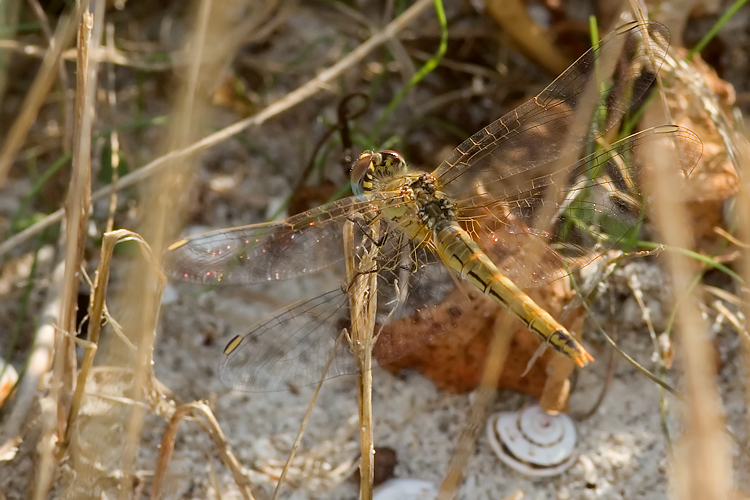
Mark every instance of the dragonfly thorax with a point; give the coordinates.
(422, 209)
(434, 207)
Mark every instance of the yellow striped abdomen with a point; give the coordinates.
(459, 252)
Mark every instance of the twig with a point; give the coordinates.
(477, 414)
(290, 100)
(64, 104)
(35, 97)
(211, 426)
(305, 420)
(363, 307)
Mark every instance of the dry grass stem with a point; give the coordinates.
(103, 54)
(290, 100)
(634, 283)
(114, 136)
(556, 391)
(211, 426)
(77, 213)
(703, 446)
(477, 414)
(308, 413)
(64, 83)
(742, 142)
(35, 97)
(77, 203)
(363, 308)
(96, 317)
(144, 286)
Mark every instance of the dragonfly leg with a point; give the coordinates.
(357, 275)
(364, 228)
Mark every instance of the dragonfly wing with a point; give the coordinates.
(411, 283)
(597, 206)
(293, 345)
(296, 343)
(281, 250)
(615, 75)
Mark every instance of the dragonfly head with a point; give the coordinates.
(373, 165)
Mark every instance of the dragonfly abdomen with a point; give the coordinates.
(461, 253)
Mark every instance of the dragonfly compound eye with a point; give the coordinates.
(393, 160)
(360, 168)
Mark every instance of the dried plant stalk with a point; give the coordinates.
(704, 445)
(211, 426)
(525, 32)
(35, 97)
(362, 309)
(306, 419)
(743, 214)
(77, 206)
(477, 414)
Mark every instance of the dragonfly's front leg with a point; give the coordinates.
(366, 228)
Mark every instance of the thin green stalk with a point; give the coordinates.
(35, 189)
(594, 29)
(426, 69)
(611, 342)
(708, 261)
(715, 29)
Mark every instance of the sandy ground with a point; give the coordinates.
(622, 447)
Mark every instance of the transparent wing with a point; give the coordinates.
(591, 206)
(600, 205)
(411, 283)
(280, 250)
(587, 207)
(605, 82)
(528, 213)
(293, 345)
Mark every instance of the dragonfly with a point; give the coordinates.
(508, 209)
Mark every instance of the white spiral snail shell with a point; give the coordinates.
(532, 441)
